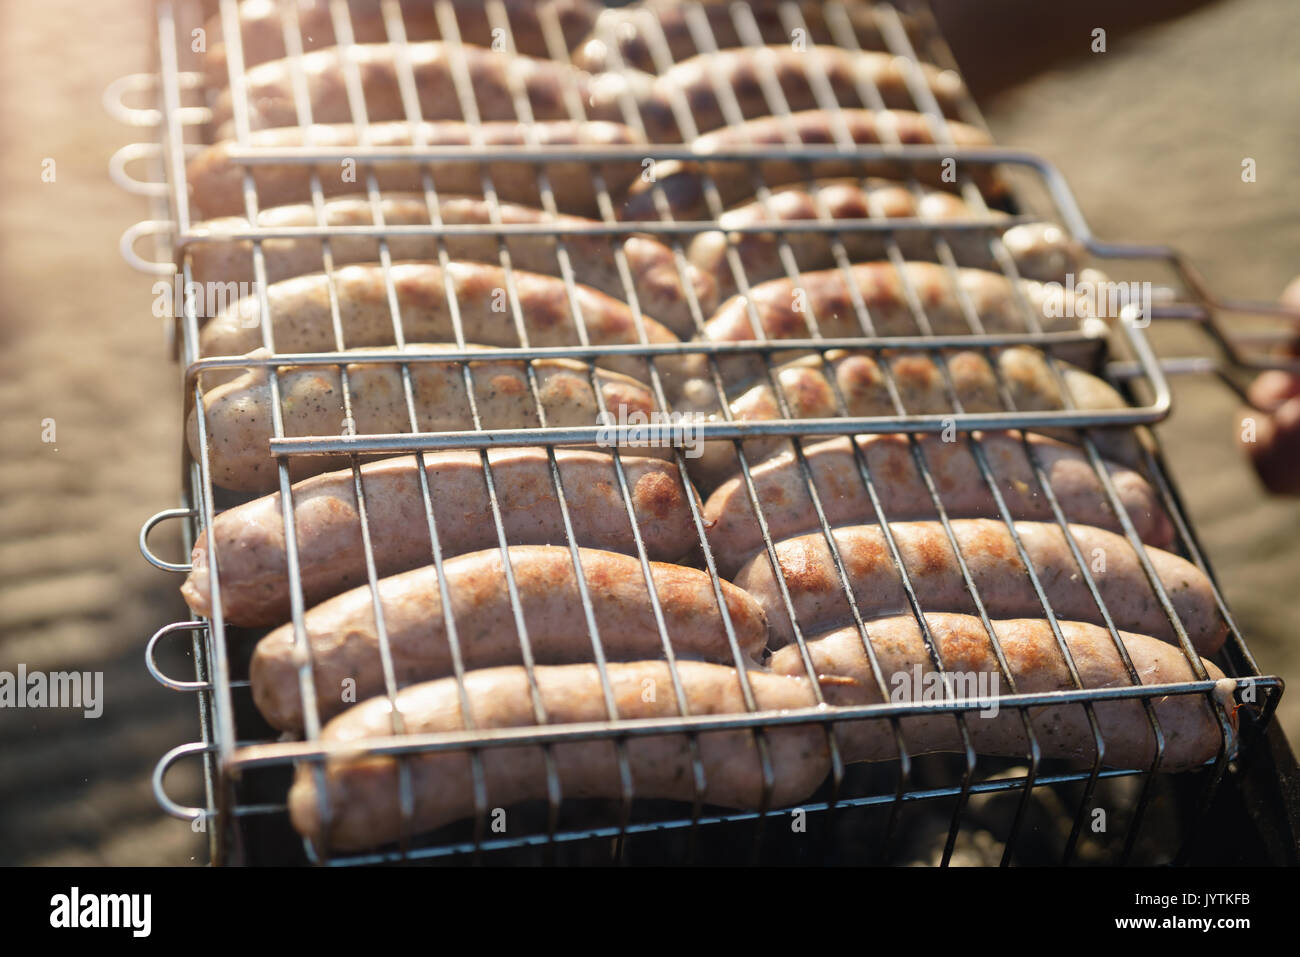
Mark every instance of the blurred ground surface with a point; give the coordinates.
(1151, 135)
(79, 345)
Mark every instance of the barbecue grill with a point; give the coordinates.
(935, 808)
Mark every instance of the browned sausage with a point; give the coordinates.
(262, 29)
(787, 310)
(493, 77)
(362, 807)
(1192, 734)
(331, 552)
(216, 182)
(302, 313)
(345, 641)
(363, 797)
(633, 30)
(1041, 251)
(661, 289)
(813, 389)
(696, 82)
(1268, 429)
(497, 77)
(734, 533)
(683, 182)
(239, 425)
(1000, 577)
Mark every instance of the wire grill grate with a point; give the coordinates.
(232, 758)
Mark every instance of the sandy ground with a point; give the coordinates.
(1151, 135)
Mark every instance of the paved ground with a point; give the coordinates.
(1151, 134)
(80, 346)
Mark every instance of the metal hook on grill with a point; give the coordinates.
(148, 527)
(115, 104)
(126, 245)
(157, 672)
(128, 154)
(181, 811)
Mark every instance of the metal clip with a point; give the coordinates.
(126, 245)
(148, 527)
(159, 772)
(115, 93)
(130, 153)
(152, 664)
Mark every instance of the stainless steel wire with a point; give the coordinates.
(229, 757)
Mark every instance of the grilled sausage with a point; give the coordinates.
(634, 30)
(1041, 251)
(683, 182)
(238, 413)
(813, 389)
(346, 647)
(787, 310)
(1032, 386)
(216, 181)
(493, 79)
(331, 553)
(262, 31)
(363, 795)
(1000, 577)
(748, 72)
(496, 77)
(301, 313)
(734, 533)
(1267, 427)
(1192, 735)
(362, 801)
(661, 289)
(922, 389)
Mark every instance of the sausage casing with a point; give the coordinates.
(1041, 251)
(734, 533)
(825, 303)
(747, 74)
(497, 78)
(251, 541)
(363, 795)
(216, 181)
(239, 425)
(661, 288)
(302, 313)
(261, 27)
(344, 639)
(634, 29)
(494, 77)
(814, 388)
(683, 182)
(1000, 578)
(1192, 734)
